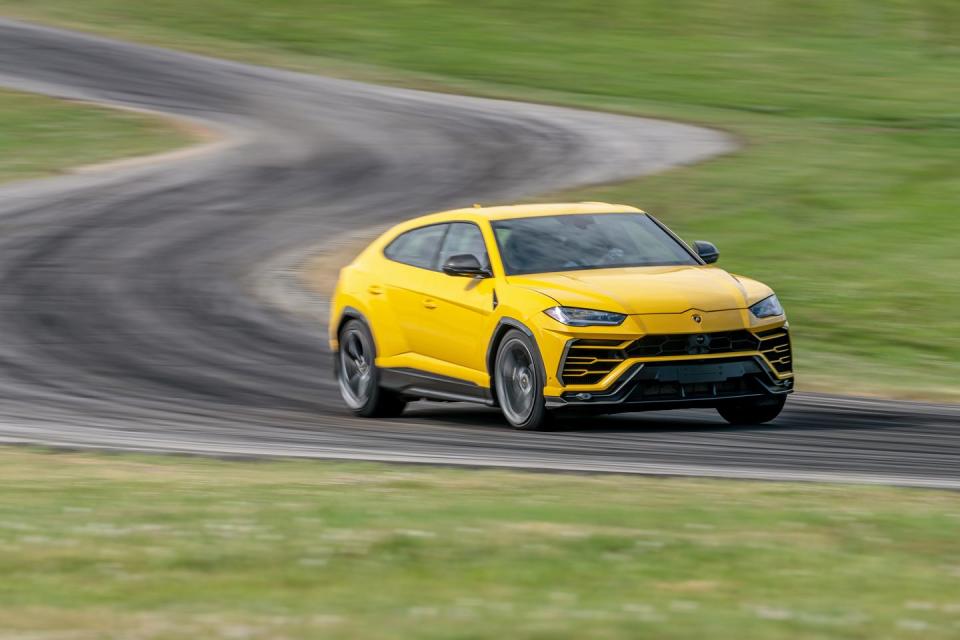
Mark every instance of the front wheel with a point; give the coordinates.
(752, 411)
(519, 383)
(358, 376)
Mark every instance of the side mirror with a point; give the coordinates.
(707, 251)
(465, 264)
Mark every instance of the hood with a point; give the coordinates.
(636, 290)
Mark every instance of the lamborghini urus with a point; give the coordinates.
(555, 309)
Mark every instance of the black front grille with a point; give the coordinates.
(775, 347)
(654, 391)
(689, 344)
(697, 380)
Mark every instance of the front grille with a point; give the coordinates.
(689, 344)
(589, 361)
(654, 391)
(775, 347)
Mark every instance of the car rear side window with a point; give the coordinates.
(418, 247)
(464, 238)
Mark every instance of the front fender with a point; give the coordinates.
(522, 309)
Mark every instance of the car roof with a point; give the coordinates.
(478, 212)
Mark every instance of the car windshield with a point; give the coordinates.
(586, 241)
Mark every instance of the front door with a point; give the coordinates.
(457, 310)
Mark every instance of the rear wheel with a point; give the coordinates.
(358, 376)
(752, 411)
(519, 383)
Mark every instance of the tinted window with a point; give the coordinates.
(464, 237)
(586, 241)
(418, 247)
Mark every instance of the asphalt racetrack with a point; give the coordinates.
(148, 305)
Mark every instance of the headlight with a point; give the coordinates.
(767, 307)
(585, 317)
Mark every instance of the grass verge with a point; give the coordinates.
(41, 136)
(97, 546)
(844, 198)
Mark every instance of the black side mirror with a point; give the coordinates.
(707, 251)
(465, 264)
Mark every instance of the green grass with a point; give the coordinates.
(40, 136)
(97, 546)
(845, 198)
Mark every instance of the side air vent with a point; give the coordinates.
(775, 347)
(588, 361)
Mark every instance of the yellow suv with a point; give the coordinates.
(556, 308)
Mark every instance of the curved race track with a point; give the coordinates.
(127, 312)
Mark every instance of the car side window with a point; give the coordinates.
(464, 237)
(419, 247)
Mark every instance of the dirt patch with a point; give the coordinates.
(321, 272)
(204, 137)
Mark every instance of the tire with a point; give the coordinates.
(519, 382)
(358, 377)
(752, 411)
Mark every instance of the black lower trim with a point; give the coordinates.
(688, 383)
(415, 383)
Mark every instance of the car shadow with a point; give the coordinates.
(702, 420)
(803, 418)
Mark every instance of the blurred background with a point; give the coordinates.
(843, 196)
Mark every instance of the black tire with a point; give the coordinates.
(752, 411)
(358, 377)
(519, 381)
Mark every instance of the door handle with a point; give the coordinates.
(374, 289)
(429, 303)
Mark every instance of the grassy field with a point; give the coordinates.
(844, 198)
(40, 136)
(97, 546)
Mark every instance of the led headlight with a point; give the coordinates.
(767, 307)
(585, 317)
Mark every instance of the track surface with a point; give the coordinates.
(126, 309)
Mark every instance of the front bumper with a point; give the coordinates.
(594, 359)
(680, 383)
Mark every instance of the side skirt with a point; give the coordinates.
(431, 386)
